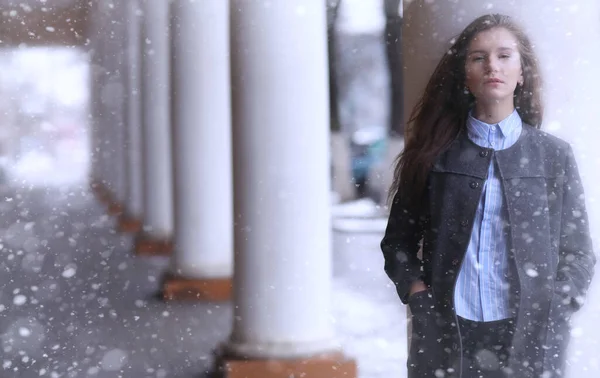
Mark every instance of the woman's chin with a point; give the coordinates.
(494, 97)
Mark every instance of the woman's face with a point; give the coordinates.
(493, 66)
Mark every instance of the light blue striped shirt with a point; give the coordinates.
(482, 291)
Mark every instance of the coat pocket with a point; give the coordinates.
(420, 302)
(558, 334)
(425, 356)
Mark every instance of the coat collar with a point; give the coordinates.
(528, 157)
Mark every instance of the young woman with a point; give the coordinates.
(496, 209)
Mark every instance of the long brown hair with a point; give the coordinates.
(442, 110)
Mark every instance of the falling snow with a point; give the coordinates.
(69, 272)
(74, 298)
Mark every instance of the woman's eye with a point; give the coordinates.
(478, 59)
(504, 56)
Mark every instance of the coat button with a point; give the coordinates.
(455, 262)
(474, 185)
(464, 223)
(484, 153)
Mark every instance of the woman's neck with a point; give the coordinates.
(492, 113)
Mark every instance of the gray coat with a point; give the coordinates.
(550, 248)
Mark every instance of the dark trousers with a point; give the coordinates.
(486, 347)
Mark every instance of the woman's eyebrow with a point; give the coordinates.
(504, 49)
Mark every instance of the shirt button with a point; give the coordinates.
(493, 128)
(484, 153)
(474, 185)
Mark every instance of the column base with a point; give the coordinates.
(208, 289)
(115, 208)
(145, 245)
(100, 191)
(105, 197)
(129, 224)
(327, 366)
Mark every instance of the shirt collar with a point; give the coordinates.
(480, 129)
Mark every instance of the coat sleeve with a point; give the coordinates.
(400, 246)
(576, 256)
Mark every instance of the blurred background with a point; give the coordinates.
(76, 297)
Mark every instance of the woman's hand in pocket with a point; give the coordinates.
(417, 287)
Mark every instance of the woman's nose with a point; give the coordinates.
(492, 64)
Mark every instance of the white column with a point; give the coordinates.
(282, 279)
(113, 98)
(134, 195)
(202, 140)
(565, 35)
(158, 201)
(101, 134)
(95, 133)
(94, 142)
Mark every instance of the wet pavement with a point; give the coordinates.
(75, 301)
